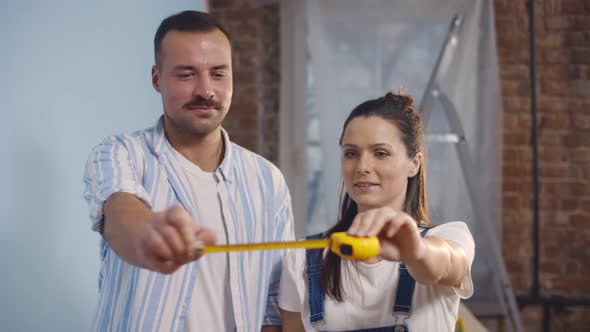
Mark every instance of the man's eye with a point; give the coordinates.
(184, 76)
(219, 75)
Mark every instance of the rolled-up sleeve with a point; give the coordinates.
(293, 287)
(459, 233)
(285, 232)
(111, 168)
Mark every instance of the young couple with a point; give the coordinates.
(157, 194)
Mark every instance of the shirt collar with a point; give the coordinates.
(160, 147)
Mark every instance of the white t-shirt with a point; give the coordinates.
(211, 306)
(370, 291)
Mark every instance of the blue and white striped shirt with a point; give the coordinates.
(256, 206)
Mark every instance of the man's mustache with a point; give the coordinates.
(199, 101)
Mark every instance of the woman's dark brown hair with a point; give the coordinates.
(399, 110)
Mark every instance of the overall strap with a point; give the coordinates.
(402, 307)
(316, 294)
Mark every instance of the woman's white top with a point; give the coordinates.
(370, 291)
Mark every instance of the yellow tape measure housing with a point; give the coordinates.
(359, 248)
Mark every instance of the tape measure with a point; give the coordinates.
(342, 244)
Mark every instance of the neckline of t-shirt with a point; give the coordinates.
(373, 266)
(189, 166)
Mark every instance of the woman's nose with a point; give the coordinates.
(363, 167)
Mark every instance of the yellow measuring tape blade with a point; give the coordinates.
(308, 244)
(340, 243)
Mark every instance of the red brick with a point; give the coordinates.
(554, 121)
(580, 88)
(585, 171)
(572, 6)
(554, 188)
(554, 171)
(581, 56)
(548, 203)
(552, 267)
(576, 39)
(514, 202)
(519, 138)
(245, 106)
(580, 220)
(516, 184)
(559, 22)
(243, 75)
(514, 154)
(224, 5)
(507, 24)
(560, 72)
(552, 40)
(510, 103)
(516, 88)
(569, 204)
(519, 55)
(553, 154)
(550, 138)
(510, 121)
(514, 72)
(581, 120)
(509, 8)
(556, 55)
(516, 170)
(547, 104)
(583, 22)
(576, 139)
(555, 88)
(247, 61)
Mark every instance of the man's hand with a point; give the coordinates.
(159, 241)
(169, 240)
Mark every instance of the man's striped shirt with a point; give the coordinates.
(256, 206)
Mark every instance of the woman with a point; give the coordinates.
(421, 273)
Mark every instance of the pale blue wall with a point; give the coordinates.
(71, 72)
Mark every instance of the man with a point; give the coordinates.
(157, 195)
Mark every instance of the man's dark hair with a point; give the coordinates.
(186, 21)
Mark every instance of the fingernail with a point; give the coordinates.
(352, 231)
(197, 247)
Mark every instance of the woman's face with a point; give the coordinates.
(375, 164)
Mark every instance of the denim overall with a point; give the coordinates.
(402, 307)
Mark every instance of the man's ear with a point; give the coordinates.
(155, 78)
(416, 164)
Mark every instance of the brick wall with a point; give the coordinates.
(563, 92)
(253, 117)
(563, 100)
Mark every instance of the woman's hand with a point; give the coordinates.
(397, 232)
(430, 260)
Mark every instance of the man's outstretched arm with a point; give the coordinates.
(159, 241)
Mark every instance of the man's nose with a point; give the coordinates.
(204, 89)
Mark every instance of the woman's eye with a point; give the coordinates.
(381, 154)
(349, 154)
